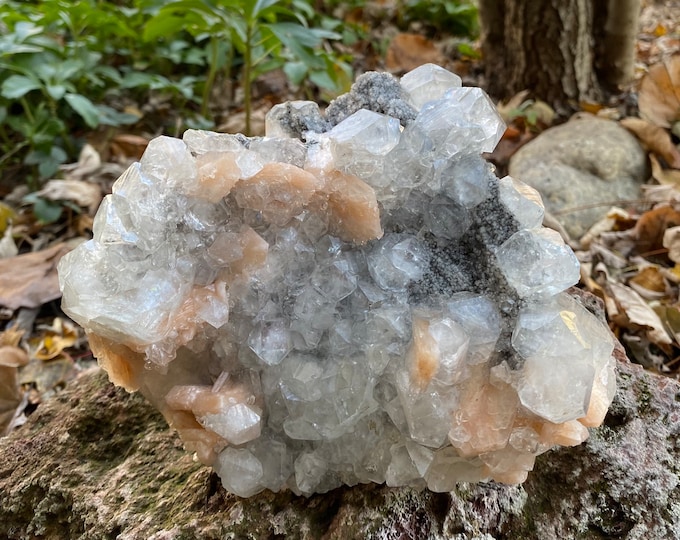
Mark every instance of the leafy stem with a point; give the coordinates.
(213, 48)
(247, 70)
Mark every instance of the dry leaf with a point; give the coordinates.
(82, 193)
(127, 146)
(617, 219)
(590, 107)
(12, 356)
(45, 376)
(651, 227)
(512, 104)
(7, 246)
(30, 280)
(11, 396)
(89, 162)
(607, 256)
(670, 316)
(659, 96)
(671, 241)
(666, 193)
(408, 51)
(83, 224)
(635, 312)
(11, 336)
(52, 340)
(649, 283)
(655, 139)
(664, 176)
(7, 214)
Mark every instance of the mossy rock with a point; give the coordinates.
(96, 462)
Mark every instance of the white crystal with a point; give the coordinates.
(428, 83)
(447, 469)
(481, 321)
(241, 472)
(523, 201)
(560, 341)
(270, 341)
(309, 471)
(202, 142)
(359, 143)
(349, 303)
(427, 411)
(463, 121)
(397, 261)
(401, 470)
(169, 160)
(446, 219)
(278, 150)
(537, 262)
(238, 424)
(453, 343)
(463, 179)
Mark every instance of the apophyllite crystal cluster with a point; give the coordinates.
(354, 297)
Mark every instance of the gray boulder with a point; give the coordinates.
(95, 462)
(582, 167)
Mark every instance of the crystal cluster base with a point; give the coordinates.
(355, 297)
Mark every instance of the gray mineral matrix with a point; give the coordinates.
(354, 297)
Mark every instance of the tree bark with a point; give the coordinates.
(563, 51)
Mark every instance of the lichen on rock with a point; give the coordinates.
(354, 298)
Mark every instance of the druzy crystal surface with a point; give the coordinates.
(353, 298)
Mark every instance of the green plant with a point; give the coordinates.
(457, 17)
(264, 34)
(64, 62)
(44, 79)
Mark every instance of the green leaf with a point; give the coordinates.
(56, 91)
(47, 211)
(136, 79)
(296, 72)
(17, 86)
(84, 107)
(48, 160)
(69, 69)
(25, 29)
(162, 26)
(109, 116)
(21, 125)
(259, 7)
(323, 80)
(299, 40)
(288, 32)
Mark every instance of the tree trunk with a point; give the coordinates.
(563, 51)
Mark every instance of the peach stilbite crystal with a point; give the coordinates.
(355, 297)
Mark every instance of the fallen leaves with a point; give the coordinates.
(632, 267)
(12, 357)
(633, 312)
(659, 97)
(30, 280)
(651, 227)
(52, 340)
(654, 139)
(408, 51)
(80, 192)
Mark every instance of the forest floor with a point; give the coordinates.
(41, 349)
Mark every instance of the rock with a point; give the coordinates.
(363, 303)
(96, 462)
(586, 161)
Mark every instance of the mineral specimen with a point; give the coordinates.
(353, 298)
